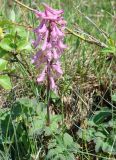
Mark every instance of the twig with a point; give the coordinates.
(95, 41)
(21, 4)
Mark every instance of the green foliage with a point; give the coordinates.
(6, 44)
(62, 148)
(5, 82)
(15, 42)
(15, 123)
(101, 130)
(26, 120)
(114, 97)
(4, 79)
(23, 130)
(3, 64)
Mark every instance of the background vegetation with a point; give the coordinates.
(83, 114)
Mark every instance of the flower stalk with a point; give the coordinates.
(50, 46)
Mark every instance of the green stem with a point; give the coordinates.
(48, 95)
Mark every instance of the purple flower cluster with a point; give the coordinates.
(49, 37)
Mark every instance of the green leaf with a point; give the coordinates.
(52, 144)
(70, 156)
(68, 140)
(100, 134)
(2, 52)
(109, 50)
(54, 96)
(60, 157)
(98, 143)
(5, 44)
(23, 45)
(5, 22)
(3, 64)
(114, 97)
(5, 82)
(106, 147)
(100, 116)
(20, 32)
(12, 15)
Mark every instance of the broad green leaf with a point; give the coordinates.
(3, 64)
(60, 157)
(68, 140)
(98, 143)
(2, 52)
(5, 82)
(52, 144)
(12, 15)
(54, 96)
(5, 22)
(100, 134)
(101, 116)
(106, 147)
(70, 156)
(5, 44)
(51, 154)
(20, 32)
(23, 45)
(114, 97)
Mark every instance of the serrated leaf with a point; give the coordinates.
(3, 64)
(5, 82)
(5, 44)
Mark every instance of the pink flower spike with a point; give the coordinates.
(45, 41)
(55, 54)
(61, 34)
(49, 55)
(52, 83)
(62, 22)
(53, 33)
(39, 14)
(43, 29)
(41, 77)
(49, 36)
(61, 45)
(57, 68)
(53, 11)
(37, 41)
